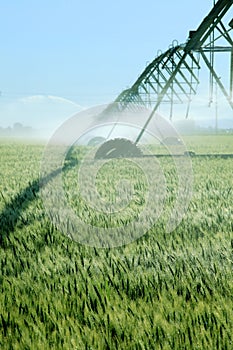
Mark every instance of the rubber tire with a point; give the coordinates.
(118, 148)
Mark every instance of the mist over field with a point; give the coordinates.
(116, 164)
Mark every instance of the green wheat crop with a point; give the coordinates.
(162, 291)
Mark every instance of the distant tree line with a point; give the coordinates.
(17, 130)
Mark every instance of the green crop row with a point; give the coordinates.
(162, 291)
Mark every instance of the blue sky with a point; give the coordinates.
(59, 55)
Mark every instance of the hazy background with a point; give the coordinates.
(58, 57)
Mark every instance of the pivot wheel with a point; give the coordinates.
(118, 148)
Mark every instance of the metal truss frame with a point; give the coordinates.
(173, 76)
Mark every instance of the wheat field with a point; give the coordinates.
(161, 291)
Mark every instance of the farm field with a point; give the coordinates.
(162, 291)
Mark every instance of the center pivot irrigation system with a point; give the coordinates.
(173, 76)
